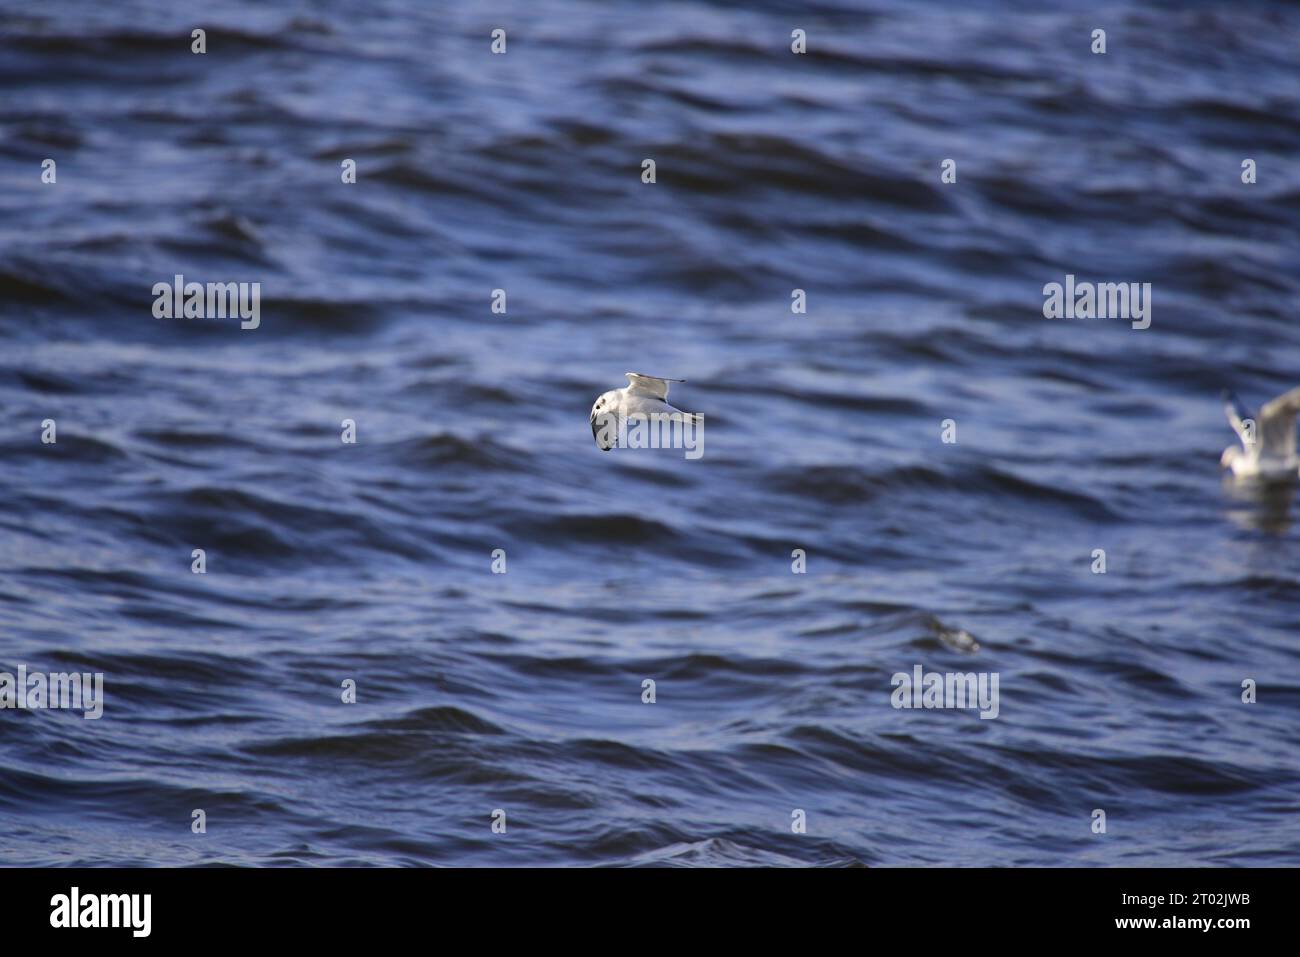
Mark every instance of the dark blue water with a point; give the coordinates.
(522, 691)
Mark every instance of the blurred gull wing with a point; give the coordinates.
(1237, 415)
(1276, 427)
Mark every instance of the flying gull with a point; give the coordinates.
(1267, 449)
(645, 396)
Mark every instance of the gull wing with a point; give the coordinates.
(1277, 426)
(1237, 414)
(648, 385)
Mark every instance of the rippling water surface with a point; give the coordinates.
(522, 691)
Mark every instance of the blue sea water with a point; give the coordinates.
(522, 692)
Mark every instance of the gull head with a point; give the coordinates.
(603, 414)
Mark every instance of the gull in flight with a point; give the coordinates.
(1267, 449)
(645, 396)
